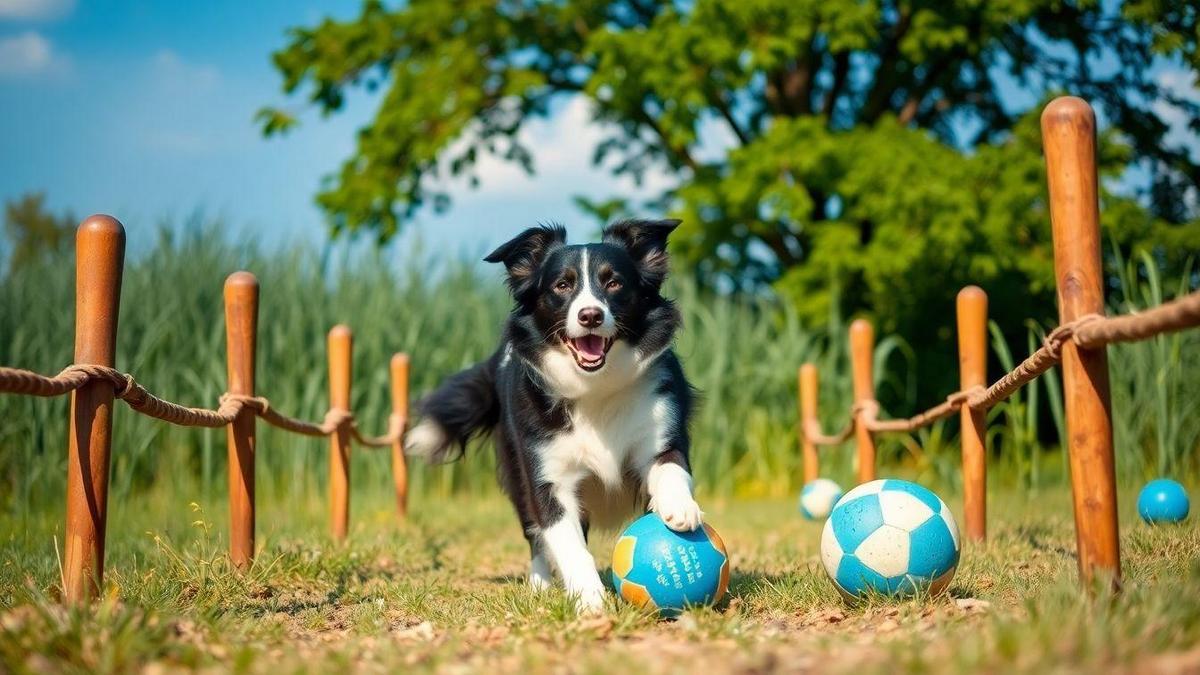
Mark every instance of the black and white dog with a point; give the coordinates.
(588, 403)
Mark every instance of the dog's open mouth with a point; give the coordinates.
(589, 351)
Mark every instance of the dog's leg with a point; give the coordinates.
(670, 488)
(540, 576)
(663, 467)
(565, 545)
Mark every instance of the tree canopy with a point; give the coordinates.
(882, 153)
(32, 232)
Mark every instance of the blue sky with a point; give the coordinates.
(144, 110)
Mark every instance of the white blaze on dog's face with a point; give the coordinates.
(591, 328)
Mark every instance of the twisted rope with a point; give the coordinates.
(812, 431)
(1087, 332)
(127, 389)
(953, 403)
(1090, 331)
(394, 433)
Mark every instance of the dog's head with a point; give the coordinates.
(584, 299)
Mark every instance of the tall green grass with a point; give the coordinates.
(741, 352)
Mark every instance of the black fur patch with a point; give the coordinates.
(507, 396)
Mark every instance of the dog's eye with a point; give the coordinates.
(562, 285)
(613, 285)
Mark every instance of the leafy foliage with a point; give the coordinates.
(32, 232)
(875, 154)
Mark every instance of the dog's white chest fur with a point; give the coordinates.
(610, 434)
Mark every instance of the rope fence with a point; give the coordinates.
(1090, 332)
(1078, 344)
(127, 389)
(94, 384)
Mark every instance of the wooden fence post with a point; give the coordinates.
(99, 262)
(972, 369)
(241, 338)
(341, 342)
(862, 356)
(400, 410)
(1069, 140)
(808, 416)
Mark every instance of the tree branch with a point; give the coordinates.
(680, 153)
(722, 106)
(800, 79)
(884, 84)
(841, 70)
(778, 245)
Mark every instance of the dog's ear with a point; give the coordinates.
(646, 241)
(524, 253)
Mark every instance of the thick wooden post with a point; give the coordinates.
(1069, 139)
(972, 369)
(99, 261)
(400, 411)
(808, 416)
(341, 342)
(241, 338)
(862, 356)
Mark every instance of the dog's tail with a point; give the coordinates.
(465, 406)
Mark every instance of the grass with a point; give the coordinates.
(444, 592)
(741, 352)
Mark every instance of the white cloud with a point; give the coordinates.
(562, 147)
(1182, 83)
(35, 10)
(28, 54)
(716, 140)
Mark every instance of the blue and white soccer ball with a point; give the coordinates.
(817, 498)
(891, 537)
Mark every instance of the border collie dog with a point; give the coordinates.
(586, 401)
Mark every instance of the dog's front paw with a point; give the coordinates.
(590, 601)
(539, 581)
(680, 512)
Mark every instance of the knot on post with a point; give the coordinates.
(1066, 333)
(336, 419)
(868, 409)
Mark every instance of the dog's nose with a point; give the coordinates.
(591, 317)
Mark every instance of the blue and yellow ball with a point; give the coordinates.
(658, 568)
(1163, 501)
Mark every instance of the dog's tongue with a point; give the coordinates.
(590, 347)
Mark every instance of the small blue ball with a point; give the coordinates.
(1163, 501)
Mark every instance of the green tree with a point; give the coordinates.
(33, 232)
(876, 157)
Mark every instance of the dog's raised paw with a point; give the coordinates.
(681, 514)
